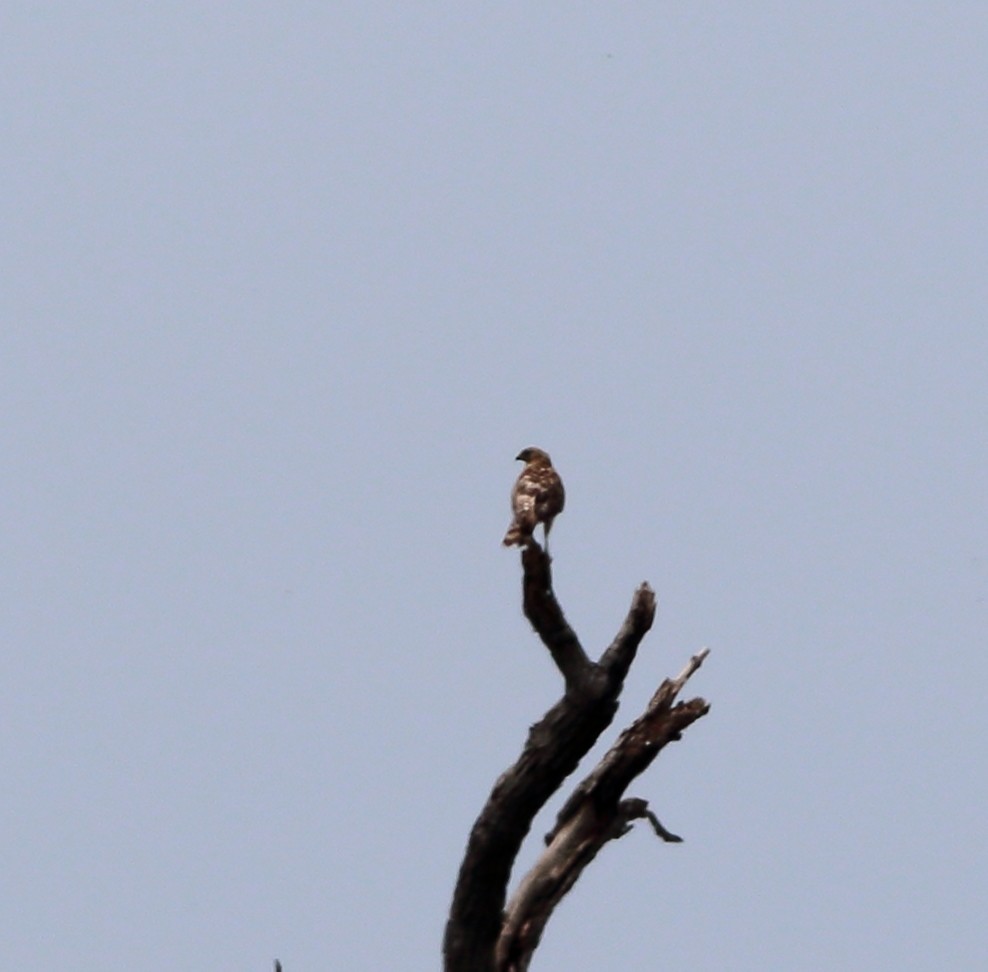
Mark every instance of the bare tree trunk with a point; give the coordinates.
(482, 933)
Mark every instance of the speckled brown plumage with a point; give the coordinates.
(538, 497)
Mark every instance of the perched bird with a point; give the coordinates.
(538, 496)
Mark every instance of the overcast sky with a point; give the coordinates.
(286, 287)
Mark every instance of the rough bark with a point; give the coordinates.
(593, 815)
(481, 934)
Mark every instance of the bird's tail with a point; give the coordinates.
(515, 536)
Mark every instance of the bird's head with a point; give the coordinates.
(532, 454)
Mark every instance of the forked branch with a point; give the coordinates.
(481, 936)
(593, 815)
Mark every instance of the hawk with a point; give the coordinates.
(538, 496)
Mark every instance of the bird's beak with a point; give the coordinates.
(520, 456)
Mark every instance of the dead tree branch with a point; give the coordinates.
(593, 815)
(480, 935)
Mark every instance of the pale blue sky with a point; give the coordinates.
(285, 289)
